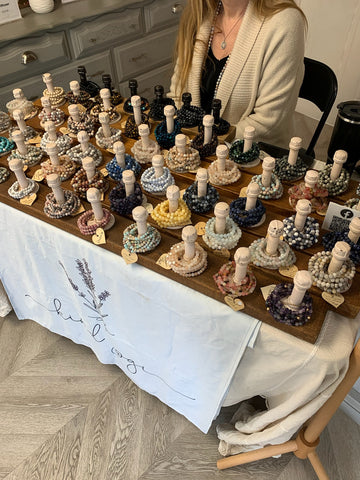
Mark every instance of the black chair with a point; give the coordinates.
(319, 87)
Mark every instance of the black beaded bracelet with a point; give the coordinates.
(122, 204)
(200, 204)
(190, 116)
(157, 108)
(132, 129)
(164, 139)
(246, 218)
(207, 149)
(237, 155)
(330, 238)
(285, 171)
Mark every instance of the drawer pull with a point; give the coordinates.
(177, 8)
(139, 57)
(28, 57)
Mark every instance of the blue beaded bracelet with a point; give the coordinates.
(116, 172)
(122, 204)
(200, 204)
(246, 218)
(284, 314)
(304, 239)
(143, 243)
(164, 139)
(6, 145)
(151, 184)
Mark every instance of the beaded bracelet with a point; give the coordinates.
(231, 173)
(77, 155)
(15, 191)
(260, 258)
(131, 127)
(6, 145)
(274, 191)
(166, 140)
(32, 157)
(144, 154)
(246, 218)
(151, 184)
(330, 238)
(222, 127)
(53, 210)
(143, 243)
(185, 267)
(63, 142)
(122, 204)
(157, 108)
(128, 108)
(82, 99)
(114, 116)
(336, 187)
(57, 97)
(190, 116)
(65, 170)
(304, 239)
(28, 109)
(182, 162)
(285, 171)
(86, 123)
(116, 172)
(28, 133)
(81, 184)
(4, 174)
(115, 98)
(352, 202)
(337, 282)
(224, 280)
(237, 155)
(165, 219)
(107, 142)
(5, 122)
(316, 195)
(284, 314)
(200, 204)
(56, 115)
(217, 241)
(207, 149)
(89, 229)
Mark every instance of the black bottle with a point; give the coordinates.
(133, 86)
(158, 104)
(89, 86)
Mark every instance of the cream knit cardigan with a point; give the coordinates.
(262, 79)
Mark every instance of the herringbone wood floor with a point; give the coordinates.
(64, 415)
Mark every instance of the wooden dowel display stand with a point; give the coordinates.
(88, 165)
(136, 105)
(275, 230)
(252, 193)
(354, 230)
(303, 209)
(140, 216)
(16, 166)
(74, 112)
(267, 167)
(242, 259)
(189, 237)
(302, 283)
(54, 182)
(19, 119)
(221, 212)
(340, 157)
(249, 134)
(202, 178)
(18, 137)
(119, 149)
(129, 182)
(294, 147)
(173, 195)
(311, 178)
(53, 152)
(169, 112)
(340, 253)
(93, 196)
(208, 122)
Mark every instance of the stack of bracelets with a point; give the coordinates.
(337, 282)
(185, 267)
(259, 257)
(190, 116)
(200, 204)
(157, 108)
(183, 162)
(65, 170)
(280, 312)
(28, 108)
(151, 184)
(57, 97)
(218, 241)
(28, 133)
(32, 157)
(81, 184)
(88, 224)
(221, 127)
(5, 122)
(16, 192)
(330, 238)
(6, 145)
(337, 186)
(77, 155)
(116, 171)
(165, 219)
(224, 280)
(231, 173)
(4, 174)
(128, 107)
(122, 204)
(56, 115)
(246, 218)
(83, 99)
(143, 243)
(107, 142)
(86, 123)
(63, 142)
(132, 129)
(53, 210)
(274, 191)
(207, 149)
(114, 116)
(238, 156)
(115, 97)
(285, 171)
(316, 195)
(304, 239)
(166, 140)
(144, 154)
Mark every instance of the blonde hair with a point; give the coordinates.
(195, 12)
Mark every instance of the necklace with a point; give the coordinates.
(223, 43)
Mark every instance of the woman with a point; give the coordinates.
(247, 53)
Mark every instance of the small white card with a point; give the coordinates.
(9, 11)
(338, 217)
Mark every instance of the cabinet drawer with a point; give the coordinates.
(50, 49)
(160, 13)
(140, 56)
(109, 30)
(147, 82)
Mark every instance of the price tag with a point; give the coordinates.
(288, 271)
(81, 209)
(243, 192)
(267, 290)
(235, 303)
(162, 261)
(34, 140)
(29, 199)
(99, 237)
(104, 172)
(200, 228)
(129, 257)
(38, 175)
(335, 299)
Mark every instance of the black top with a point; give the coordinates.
(210, 74)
